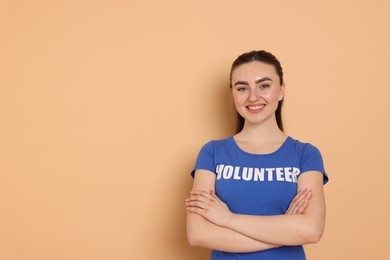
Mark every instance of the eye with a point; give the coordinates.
(264, 86)
(241, 89)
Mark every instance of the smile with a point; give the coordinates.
(255, 107)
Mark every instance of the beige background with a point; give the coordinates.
(104, 106)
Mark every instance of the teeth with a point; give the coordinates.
(256, 107)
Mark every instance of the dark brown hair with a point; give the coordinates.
(265, 57)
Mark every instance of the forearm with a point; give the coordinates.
(296, 229)
(203, 233)
(280, 229)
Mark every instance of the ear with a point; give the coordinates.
(281, 92)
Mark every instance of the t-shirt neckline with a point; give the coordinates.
(281, 147)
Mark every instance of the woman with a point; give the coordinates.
(258, 194)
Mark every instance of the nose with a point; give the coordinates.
(253, 95)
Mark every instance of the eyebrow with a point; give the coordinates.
(257, 81)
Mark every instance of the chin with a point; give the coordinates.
(258, 120)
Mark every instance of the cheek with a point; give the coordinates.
(273, 97)
(235, 98)
(239, 100)
(236, 104)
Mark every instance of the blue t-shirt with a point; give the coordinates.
(259, 184)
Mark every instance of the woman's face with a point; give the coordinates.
(256, 91)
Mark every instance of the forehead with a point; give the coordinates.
(254, 70)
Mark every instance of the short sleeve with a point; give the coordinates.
(205, 159)
(312, 161)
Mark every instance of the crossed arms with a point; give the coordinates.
(211, 224)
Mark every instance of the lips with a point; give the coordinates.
(255, 108)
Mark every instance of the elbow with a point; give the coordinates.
(313, 236)
(312, 230)
(194, 235)
(194, 239)
(197, 231)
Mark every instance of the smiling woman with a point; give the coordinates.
(267, 59)
(256, 91)
(257, 194)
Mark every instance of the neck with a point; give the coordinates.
(260, 133)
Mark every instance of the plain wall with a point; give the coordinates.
(104, 106)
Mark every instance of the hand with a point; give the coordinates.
(300, 202)
(209, 206)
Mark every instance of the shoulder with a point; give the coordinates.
(207, 155)
(303, 147)
(212, 145)
(306, 152)
(310, 158)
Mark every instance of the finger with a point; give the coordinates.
(201, 193)
(302, 205)
(295, 200)
(298, 196)
(196, 210)
(197, 204)
(298, 206)
(197, 198)
(217, 199)
(305, 203)
(301, 194)
(200, 198)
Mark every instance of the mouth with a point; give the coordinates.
(255, 108)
